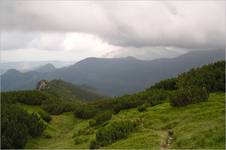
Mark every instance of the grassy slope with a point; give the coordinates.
(195, 126)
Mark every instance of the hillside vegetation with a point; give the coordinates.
(68, 91)
(195, 126)
(182, 112)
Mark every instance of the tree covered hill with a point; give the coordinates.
(186, 111)
(67, 91)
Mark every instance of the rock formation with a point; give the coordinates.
(42, 85)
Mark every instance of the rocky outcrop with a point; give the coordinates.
(42, 85)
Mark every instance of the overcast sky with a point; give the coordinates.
(74, 30)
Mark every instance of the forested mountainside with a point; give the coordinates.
(113, 76)
(186, 111)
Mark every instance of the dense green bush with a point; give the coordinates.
(17, 125)
(84, 131)
(32, 97)
(189, 95)
(151, 97)
(113, 132)
(142, 108)
(92, 122)
(79, 140)
(45, 116)
(36, 126)
(56, 106)
(94, 145)
(168, 84)
(126, 102)
(14, 130)
(85, 112)
(211, 76)
(156, 96)
(102, 117)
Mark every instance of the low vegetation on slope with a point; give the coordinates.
(198, 125)
(182, 112)
(68, 91)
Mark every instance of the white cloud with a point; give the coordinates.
(145, 29)
(61, 46)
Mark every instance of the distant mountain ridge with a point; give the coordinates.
(45, 68)
(115, 76)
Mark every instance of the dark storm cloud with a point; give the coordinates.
(190, 25)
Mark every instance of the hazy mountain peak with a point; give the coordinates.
(12, 71)
(46, 68)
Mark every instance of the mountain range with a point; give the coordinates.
(25, 66)
(113, 76)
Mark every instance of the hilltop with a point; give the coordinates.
(67, 91)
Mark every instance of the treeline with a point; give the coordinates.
(195, 85)
(32, 97)
(48, 102)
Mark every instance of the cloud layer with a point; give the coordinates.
(125, 27)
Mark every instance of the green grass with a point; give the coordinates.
(195, 126)
(61, 129)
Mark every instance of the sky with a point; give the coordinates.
(73, 30)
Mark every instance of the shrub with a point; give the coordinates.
(85, 112)
(142, 108)
(113, 132)
(17, 125)
(45, 116)
(32, 97)
(211, 76)
(36, 126)
(126, 102)
(94, 145)
(92, 122)
(168, 84)
(156, 97)
(55, 106)
(84, 131)
(102, 117)
(79, 140)
(47, 136)
(183, 97)
(152, 96)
